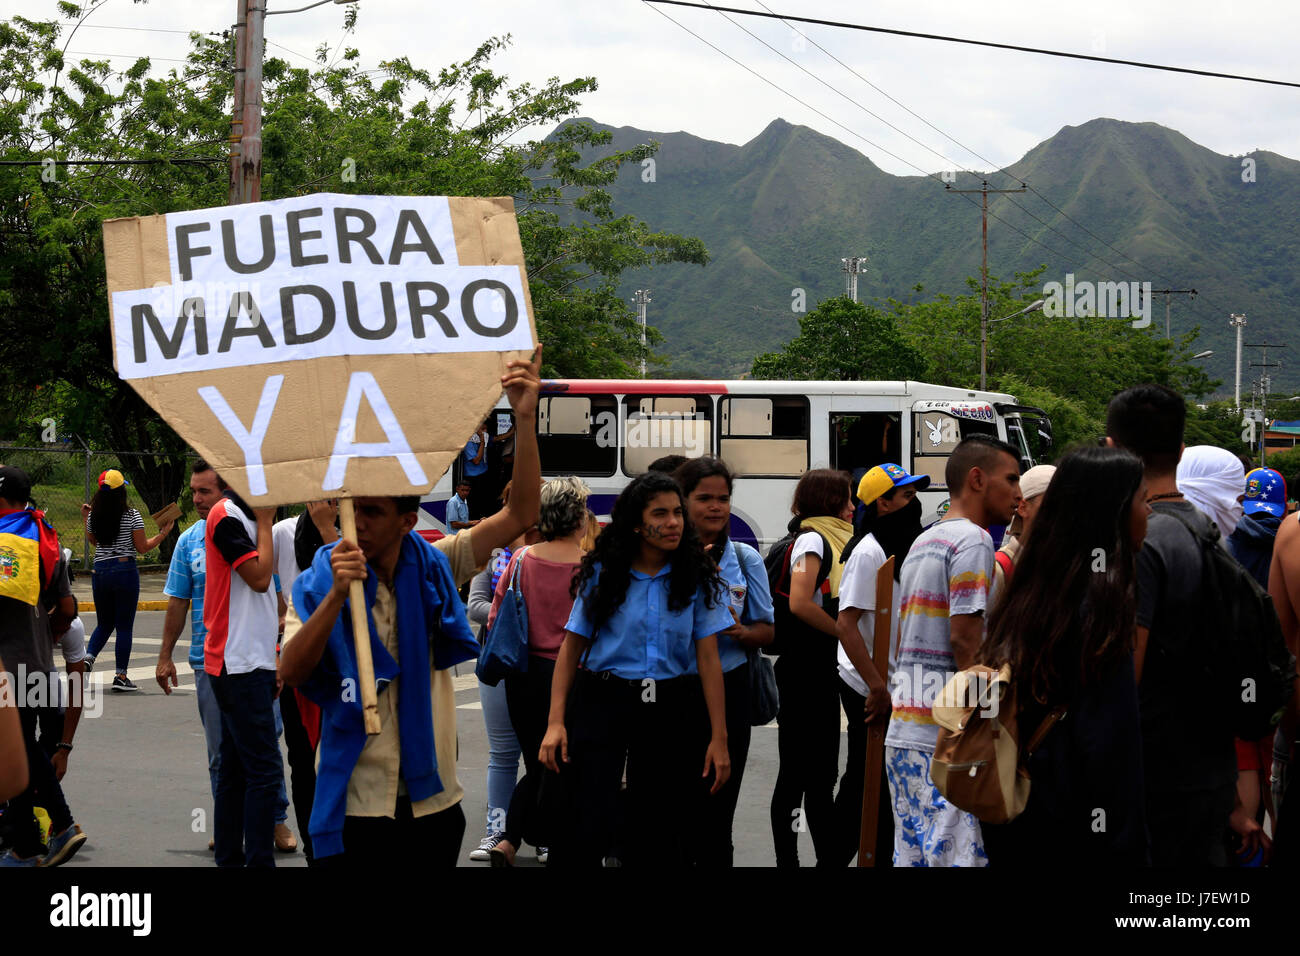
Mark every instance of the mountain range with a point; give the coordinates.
(780, 212)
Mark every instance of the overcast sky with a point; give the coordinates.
(656, 76)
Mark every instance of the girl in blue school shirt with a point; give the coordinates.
(649, 606)
(706, 482)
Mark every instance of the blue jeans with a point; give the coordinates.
(503, 754)
(210, 717)
(282, 798)
(251, 772)
(115, 586)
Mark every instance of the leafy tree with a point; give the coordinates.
(463, 130)
(843, 340)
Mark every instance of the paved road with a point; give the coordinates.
(137, 781)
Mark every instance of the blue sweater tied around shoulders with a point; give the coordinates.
(429, 616)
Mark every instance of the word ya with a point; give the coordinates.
(74, 909)
(1110, 300)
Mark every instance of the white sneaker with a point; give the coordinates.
(484, 852)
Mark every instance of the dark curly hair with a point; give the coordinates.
(619, 545)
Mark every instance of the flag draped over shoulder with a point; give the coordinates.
(29, 554)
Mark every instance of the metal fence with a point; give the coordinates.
(64, 477)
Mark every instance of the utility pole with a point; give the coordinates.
(1238, 322)
(246, 117)
(642, 299)
(984, 267)
(1264, 384)
(1167, 293)
(852, 266)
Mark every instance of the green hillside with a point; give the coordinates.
(779, 212)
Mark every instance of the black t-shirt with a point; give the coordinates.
(1185, 748)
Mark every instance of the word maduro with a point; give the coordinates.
(243, 317)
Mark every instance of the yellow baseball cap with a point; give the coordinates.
(113, 478)
(882, 478)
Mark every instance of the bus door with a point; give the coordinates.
(862, 440)
(1028, 429)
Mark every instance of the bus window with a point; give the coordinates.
(764, 436)
(659, 425)
(569, 435)
(935, 434)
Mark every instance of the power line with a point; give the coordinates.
(128, 56)
(839, 92)
(173, 161)
(1089, 253)
(995, 167)
(853, 133)
(903, 106)
(802, 103)
(988, 43)
(946, 159)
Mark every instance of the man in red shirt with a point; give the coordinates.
(242, 622)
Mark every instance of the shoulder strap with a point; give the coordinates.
(519, 563)
(1048, 723)
(1201, 536)
(824, 572)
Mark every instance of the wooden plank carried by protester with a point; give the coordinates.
(323, 346)
(882, 618)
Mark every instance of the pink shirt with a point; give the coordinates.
(545, 586)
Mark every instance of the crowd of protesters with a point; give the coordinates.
(643, 658)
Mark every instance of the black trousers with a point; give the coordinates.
(392, 843)
(1187, 828)
(302, 766)
(848, 799)
(808, 743)
(21, 829)
(538, 800)
(713, 847)
(652, 728)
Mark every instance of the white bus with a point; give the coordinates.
(769, 433)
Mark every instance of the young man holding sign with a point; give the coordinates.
(379, 799)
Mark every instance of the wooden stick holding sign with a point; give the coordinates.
(882, 618)
(360, 627)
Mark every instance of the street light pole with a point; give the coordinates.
(1238, 322)
(642, 300)
(984, 333)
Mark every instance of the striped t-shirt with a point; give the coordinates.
(124, 545)
(946, 572)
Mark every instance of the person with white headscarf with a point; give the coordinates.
(1213, 480)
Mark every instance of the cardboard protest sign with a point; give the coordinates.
(321, 346)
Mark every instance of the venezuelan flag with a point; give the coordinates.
(29, 553)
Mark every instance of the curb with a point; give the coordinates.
(140, 606)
